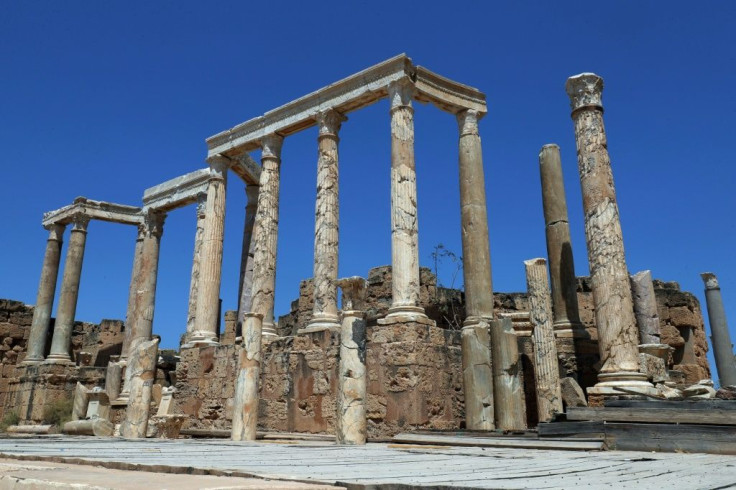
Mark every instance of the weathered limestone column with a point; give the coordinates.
(45, 299)
(508, 392)
(210, 258)
(194, 280)
(142, 366)
(353, 383)
(62, 338)
(245, 403)
(326, 228)
(245, 287)
(645, 307)
(614, 312)
(404, 228)
(559, 246)
(265, 233)
(546, 368)
(720, 337)
(134, 279)
(475, 336)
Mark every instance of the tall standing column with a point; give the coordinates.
(265, 233)
(404, 229)
(134, 278)
(720, 337)
(45, 298)
(324, 314)
(618, 337)
(559, 246)
(210, 259)
(546, 368)
(475, 336)
(62, 338)
(194, 280)
(245, 287)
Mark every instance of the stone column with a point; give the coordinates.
(210, 257)
(618, 337)
(142, 366)
(720, 337)
(508, 392)
(353, 383)
(245, 287)
(134, 278)
(194, 280)
(62, 338)
(326, 228)
(265, 233)
(245, 403)
(45, 299)
(559, 246)
(645, 307)
(546, 367)
(404, 229)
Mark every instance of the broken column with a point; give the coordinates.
(265, 233)
(194, 279)
(45, 299)
(245, 403)
(475, 337)
(210, 258)
(546, 367)
(404, 229)
(142, 367)
(351, 396)
(61, 341)
(559, 246)
(653, 354)
(720, 337)
(245, 285)
(618, 337)
(508, 392)
(324, 314)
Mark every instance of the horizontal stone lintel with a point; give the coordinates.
(177, 192)
(97, 210)
(349, 94)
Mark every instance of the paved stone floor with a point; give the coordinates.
(374, 465)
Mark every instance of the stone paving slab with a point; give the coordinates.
(387, 465)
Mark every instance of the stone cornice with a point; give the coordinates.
(97, 210)
(177, 192)
(346, 95)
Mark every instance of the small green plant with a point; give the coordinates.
(10, 418)
(58, 412)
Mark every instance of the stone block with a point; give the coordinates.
(654, 368)
(572, 393)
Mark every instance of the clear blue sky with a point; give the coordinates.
(105, 99)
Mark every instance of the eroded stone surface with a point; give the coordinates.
(245, 403)
(351, 398)
(508, 390)
(142, 366)
(645, 307)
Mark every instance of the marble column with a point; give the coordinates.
(508, 391)
(62, 338)
(324, 314)
(194, 279)
(720, 337)
(45, 299)
(210, 257)
(546, 367)
(134, 278)
(618, 337)
(404, 228)
(559, 246)
(142, 366)
(245, 286)
(645, 307)
(245, 403)
(265, 233)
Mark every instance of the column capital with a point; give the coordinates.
(353, 293)
(79, 222)
(251, 194)
(329, 122)
(400, 92)
(219, 165)
(467, 121)
(153, 223)
(56, 231)
(710, 280)
(201, 204)
(585, 91)
(271, 146)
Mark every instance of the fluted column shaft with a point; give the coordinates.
(45, 299)
(62, 338)
(245, 287)
(210, 258)
(618, 338)
(559, 246)
(720, 337)
(132, 291)
(326, 228)
(265, 233)
(546, 367)
(194, 280)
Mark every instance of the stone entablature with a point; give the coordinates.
(99, 210)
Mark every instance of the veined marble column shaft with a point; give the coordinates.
(245, 403)
(265, 233)
(210, 257)
(618, 337)
(645, 307)
(134, 279)
(404, 227)
(69, 291)
(142, 366)
(45, 298)
(194, 280)
(326, 229)
(245, 287)
(508, 392)
(720, 337)
(546, 367)
(559, 246)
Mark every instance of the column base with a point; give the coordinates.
(623, 383)
(34, 360)
(321, 323)
(406, 314)
(58, 359)
(202, 339)
(566, 330)
(661, 351)
(269, 330)
(121, 401)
